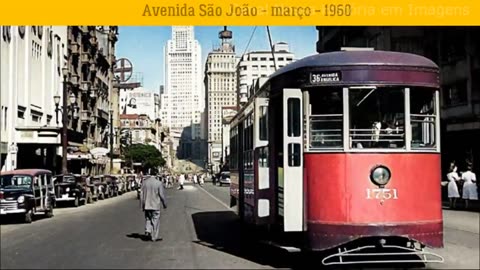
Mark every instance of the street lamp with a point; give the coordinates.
(65, 110)
(111, 140)
(64, 121)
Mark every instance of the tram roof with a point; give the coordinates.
(359, 58)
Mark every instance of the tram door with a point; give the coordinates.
(290, 181)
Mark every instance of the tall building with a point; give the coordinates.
(220, 85)
(183, 98)
(32, 58)
(38, 63)
(258, 64)
(457, 52)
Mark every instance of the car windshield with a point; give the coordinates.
(15, 181)
(69, 179)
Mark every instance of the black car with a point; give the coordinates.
(27, 192)
(69, 188)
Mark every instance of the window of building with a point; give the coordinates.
(456, 93)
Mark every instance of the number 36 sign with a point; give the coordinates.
(382, 194)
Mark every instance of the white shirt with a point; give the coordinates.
(469, 176)
(453, 176)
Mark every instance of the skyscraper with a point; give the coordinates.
(183, 99)
(220, 85)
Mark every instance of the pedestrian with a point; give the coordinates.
(195, 179)
(202, 179)
(470, 191)
(453, 193)
(152, 197)
(181, 181)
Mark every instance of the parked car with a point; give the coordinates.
(112, 185)
(131, 182)
(102, 186)
(224, 178)
(27, 192)
(69, 188)
(121, 183)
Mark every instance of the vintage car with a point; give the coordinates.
(70, 188)
(112, 184)
(27, 192)
(224, 178)
(121, 183)
(102, 186)
(131, 182)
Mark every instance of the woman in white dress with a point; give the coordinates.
(181, 181)
(470, 191)
(453, 194)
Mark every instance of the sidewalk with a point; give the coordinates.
(462, 220)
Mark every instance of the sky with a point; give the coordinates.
(143, 46)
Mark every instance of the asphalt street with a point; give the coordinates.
(198, 229)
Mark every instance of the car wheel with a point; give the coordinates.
(76, 203)
(28, 217)
(89, 199)
(49, 213)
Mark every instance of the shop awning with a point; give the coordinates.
(79, 156)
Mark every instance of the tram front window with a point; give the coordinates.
(326, 118)
(377, 118)
(423, 118)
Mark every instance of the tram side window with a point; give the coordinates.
(377, 118)
(294, 154)
(294, 117)
(263, 123)
(422, 118)
(263, 157)
(326, 118)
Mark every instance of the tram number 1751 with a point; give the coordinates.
(382, 194)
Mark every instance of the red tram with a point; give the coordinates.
(341, 150)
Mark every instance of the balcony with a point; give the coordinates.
(113, 59)
(85, 86)
(75, 48)
(85, 116)
(93, 119)
(94, 41)
(85, 58)
(74, 79)
(93, 94)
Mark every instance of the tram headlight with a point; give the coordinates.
(380, 175)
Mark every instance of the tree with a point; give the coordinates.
(148, 155)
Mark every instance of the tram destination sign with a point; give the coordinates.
(325, 77)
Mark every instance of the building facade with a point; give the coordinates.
(221, 91)
(32, 58)
(141, 129)
(457, 52)
(183, 100)
(258, 64)
(91, 62)
(39, 64)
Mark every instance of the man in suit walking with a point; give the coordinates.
(152, 197)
